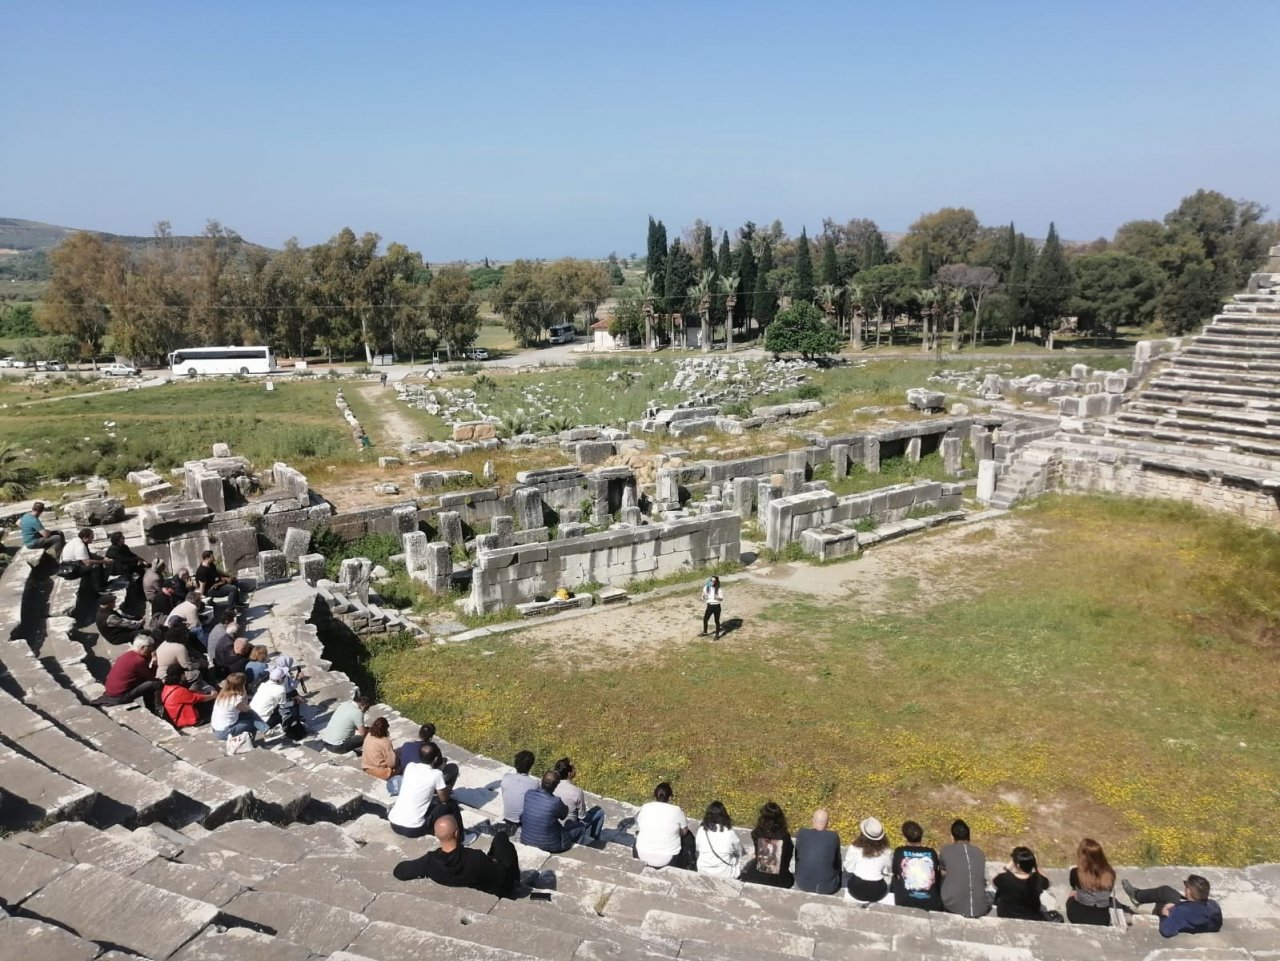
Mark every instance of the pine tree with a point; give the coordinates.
(875, 252)
(802, 289)
(765, 298)
(829, 270)
(747, 273)
(1052, 283)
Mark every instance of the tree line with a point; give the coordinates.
(951, 273)
(348, 294)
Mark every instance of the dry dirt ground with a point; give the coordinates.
(899, 576)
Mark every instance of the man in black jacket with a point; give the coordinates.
(454, 866)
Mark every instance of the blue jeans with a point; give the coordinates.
(594, 821)
(244, 725)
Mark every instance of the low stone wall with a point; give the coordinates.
(786, 518)
(507, 576)
(1249, 491)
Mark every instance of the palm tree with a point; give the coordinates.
(700, 293)
(17, 480)
(929, 298)
(828, 295)
(729, 287)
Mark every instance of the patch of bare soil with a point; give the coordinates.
(906, 575)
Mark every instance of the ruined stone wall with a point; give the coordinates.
(507, 576)
(786, 518)
(1212, 487)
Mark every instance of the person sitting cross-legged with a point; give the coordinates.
(455, 866)
(346, 730)
(183, 706)
(377, 754)
(114, 627)
(540, 821)
(407, 753)
(92, 567)
(173, 650)
(575, 799)
(232, 720)
(132, 676)
(1191, 912)
(423, 797)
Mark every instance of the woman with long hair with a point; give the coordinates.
(1019, 886)
(232, 720)
(774, 849)
(1093, 883)
(869, 863)
(662, 832)
(719, 848)
(378, 754)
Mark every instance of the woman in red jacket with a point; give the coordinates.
(183, 706)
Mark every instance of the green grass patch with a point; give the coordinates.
(1115, 676)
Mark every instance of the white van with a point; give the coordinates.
(562, 333)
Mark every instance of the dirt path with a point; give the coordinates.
(906, 575)
(393, 427)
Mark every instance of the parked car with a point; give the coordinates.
(477, 353)
(6, 361)
(19, 363)
(118, 370)
(54, 365)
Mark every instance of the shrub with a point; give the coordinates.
(810, 391)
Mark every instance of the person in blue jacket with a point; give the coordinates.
(1191, 912)
(540, 825)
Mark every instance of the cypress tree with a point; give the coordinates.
(706, 250)
(829, 271)
(875, 252)
(1016, 282)
(657, 264)
(747, 275)
(724, 268)
(1052, 283)
(924, 269)
(765, 298)
(803, 287)
(681, 275)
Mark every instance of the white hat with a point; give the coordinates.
(872, 829)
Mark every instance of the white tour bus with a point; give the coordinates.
(561, 333)
(192, 361)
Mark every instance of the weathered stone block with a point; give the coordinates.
(913, 450)
(296, 543)
(986, 480)
(221, 450)
(952, 455)
(95, 511)
(312, 567)
(272, 566)
(526, 504)
(238, 548)
(871, 455)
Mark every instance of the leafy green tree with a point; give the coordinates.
(629, 316)
(616, 277)
(486, 278)
(765, 295)
(801, 329)
(76, 300)
(802, 289)
(874, 251)
(950, 234)
(829, 268)
(18, 320)
(524, 302)
(1052, 283)
(450, 309)
(924, 265)
(1115, 288)
(976, 283)
(886, 290)
(1018, 284)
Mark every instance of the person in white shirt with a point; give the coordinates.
(93, 568)
(423, 796)
(720, 849)
(870, 864)
(712, 597)
(269, 696)
(662, 832)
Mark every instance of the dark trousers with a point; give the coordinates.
(147, 690)
(1160, 896)
(353, 743)
(713, 610)
(503, 853)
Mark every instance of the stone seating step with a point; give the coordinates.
(241, 944)
(1172, 436)
(1213, 361)
(124, 795)
(1264, 383)
(1244, 352)
(1228, 432)
(25, 870)
(100, 905)
(33, 940)
(1232, 416)
(393, 942)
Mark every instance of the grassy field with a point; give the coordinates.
(115, 433)
(1115, 675)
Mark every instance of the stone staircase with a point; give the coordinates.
(127, 839)
(1029, 472)
(1222, 390)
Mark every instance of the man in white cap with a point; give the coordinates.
(269, 698)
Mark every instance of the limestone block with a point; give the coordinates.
(95, 511)
(143, 478)
(449, 524)
(526, 504)
(221, 450)
(388, 462)
(839, 460)
(922, 398)
(415, 551)
(386, 489)
(792, 480)
(632, 516)
(312, 567)
(296, 543)
(668, 485)
(272, 566)
(952, 455)
(238, 548)
(1081, 371)
(503, 527)
(986, 480)
(1116, 382)
(744, 496)
(871, 455)
(913, 450)
(354, 576)
(157, 492)
(593, 451)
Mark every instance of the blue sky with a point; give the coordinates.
(553, 128)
